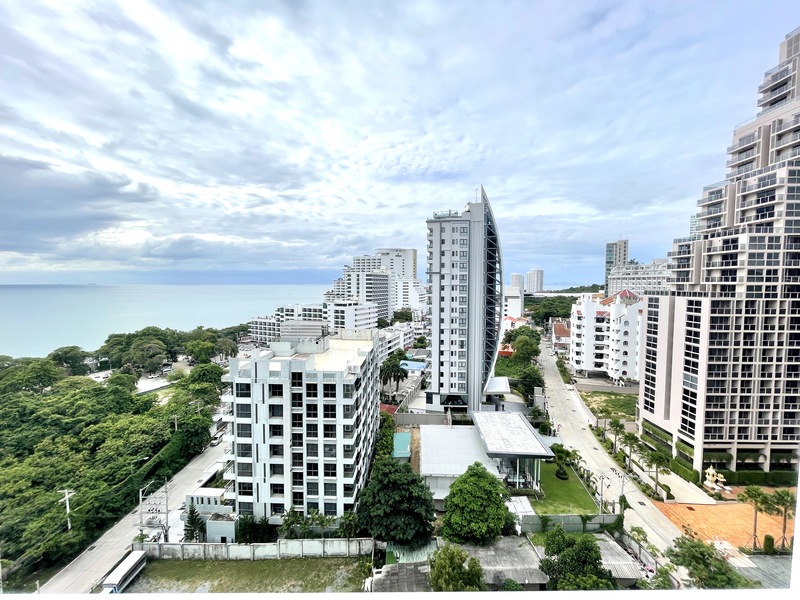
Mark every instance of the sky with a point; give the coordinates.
(197, 141)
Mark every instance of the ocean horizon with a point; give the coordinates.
(35, 319)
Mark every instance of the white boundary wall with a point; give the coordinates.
(279, 549)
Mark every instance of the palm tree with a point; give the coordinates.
(399, 375)
(659, 460)
(617, 428)
(761, 501)
(291, 519)
(603, 413)
(630, 440)
(784, 502)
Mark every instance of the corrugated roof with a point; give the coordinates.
(509, 434)
(448, 451)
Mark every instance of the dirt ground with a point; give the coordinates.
(731, 521)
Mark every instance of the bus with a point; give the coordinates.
(125, 572)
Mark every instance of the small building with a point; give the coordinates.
(217, 513)
(402, 446)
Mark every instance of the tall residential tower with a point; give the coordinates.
(466, 279)
(616, 254)
(721, 348)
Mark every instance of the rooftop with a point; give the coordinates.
(448, 451)
(508, 434)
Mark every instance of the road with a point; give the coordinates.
(91, 567)
(567, 410)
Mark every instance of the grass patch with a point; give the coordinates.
(234, 576)
(622, 406)
(562, 497)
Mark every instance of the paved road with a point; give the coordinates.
(567, 410)
(91, 567)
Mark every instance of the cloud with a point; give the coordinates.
(186, 135)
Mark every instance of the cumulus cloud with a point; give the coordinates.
(180, 135)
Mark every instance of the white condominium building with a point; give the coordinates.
(721, 348)
(297, 321)
(534, 281)
(639, 278)
(465, 275)
(616, 254)
(303, 418)
(513, 302)
(365, 286)
(604, 335)
(517, 280)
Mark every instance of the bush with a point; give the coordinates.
(751, 477)
(788, 478)
(680, 468)
(509, 585)
(769, 544)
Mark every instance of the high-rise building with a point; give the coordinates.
(534, 281)
(616, 254)
(303, 418)
(639, 278)
(465, 276)
(721, 348)
(376, 286)
(517, 280)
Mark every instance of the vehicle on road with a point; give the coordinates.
(125, 572)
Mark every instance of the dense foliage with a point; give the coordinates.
(475, 509)
(71, 433)
(706, 568)
(396, 505)
(518, 367)
(573, 562)
(544, 308)
(453, 570)
(391, 371)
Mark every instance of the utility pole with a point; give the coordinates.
(67, 495)
(166, 510)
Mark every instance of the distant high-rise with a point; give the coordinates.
(465, 275)
(616, 254)
(517, 280)
(534, 281)
(721, 348)
(639, 278)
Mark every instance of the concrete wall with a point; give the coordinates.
(570, 523)
(419, 419)
(279, 549)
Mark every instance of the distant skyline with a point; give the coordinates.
(190, 141)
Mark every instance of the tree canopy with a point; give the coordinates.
(475, 509)
(573, 562)
(706, 568)
(554, 306)
(453, 570)
(396, 505)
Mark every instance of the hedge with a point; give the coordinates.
(783, 477)
(717, 457)
(685, 448)
(657, 432)
(744, 456)
(676, 466)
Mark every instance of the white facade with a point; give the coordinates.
(303, 419)
(534, 281)
(337, 314)
(465, 275)
(365, 286)
(351, 314)
(616, 254)
(517, 280)
(410, 293)
(513, 302)
(604, 335)
(721, 349)
(639, 278)
(395, 337)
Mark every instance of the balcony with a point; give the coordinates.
(760, 201)
(783, 90)
(736, 160)
(750, 140)
(763, 185)
(789, 124)
(776, 75)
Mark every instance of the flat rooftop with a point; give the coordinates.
(508, 435)
(447, 451)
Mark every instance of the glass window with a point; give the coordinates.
(242, 390)
(311, 411)
(330, 489)
(312, 488)
(312, 470)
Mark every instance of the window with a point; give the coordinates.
(312, 470)
(329, 431)
(312, 450)
(276, 431)
(275, 451)
(297, 479)
(244, 411)
(297, 379)
(244, 508)
(244, 430)
(242, 390)
(297, 440)
(297, 459)
(313, 506)
(330, 489)
(297, 400)
(276, 390)
(330, 470)
(311, 411)
(275, 410)
(330, 450)
(312, 488)
(329, 411)
(244, 450)
(311, 390)
(312, 430)
(244, 469)
(297, 498)
(330, 509)
(275, 509)
(329, 390)
(274, 470)
(245, 488)
(297, 420)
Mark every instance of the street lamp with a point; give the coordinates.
(140, 459)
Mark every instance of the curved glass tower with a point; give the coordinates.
(465, 273)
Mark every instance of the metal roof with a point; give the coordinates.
(447, 451)
(402, 445)
(509, 435)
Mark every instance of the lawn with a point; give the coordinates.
(275, 575)
(622, 406)
(562, 497)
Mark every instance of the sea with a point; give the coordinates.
(37, 319)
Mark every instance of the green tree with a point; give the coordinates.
(525, 349)
(226, 347)
(705, 566)
(561, 457)
(512, 334)
(603, 413)
(784, 503)
(421, 342)
(382, 323)
(453, 570)
(71, 358)
(195, 528)
(348, 525)
(396, 505)
(630, 441)
(762, 502)
(530, 378)
(475, 509)
(148, 354)
(292, 519)
(573, 562)
(404, 315)
(659, 461)
(207, 373)
(616, 427)
(200, 350)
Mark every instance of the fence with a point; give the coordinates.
(280, 549)
(641, 552)
(569, 523)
